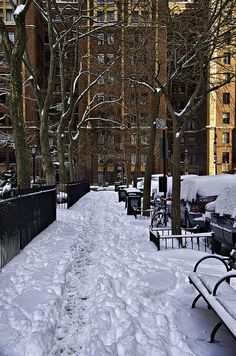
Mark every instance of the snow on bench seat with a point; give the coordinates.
(218, 294)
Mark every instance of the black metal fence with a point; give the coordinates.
(22, 218)
(163, 239)
(75, 191)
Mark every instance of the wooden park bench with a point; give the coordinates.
(219, 295)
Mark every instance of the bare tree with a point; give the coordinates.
(148, 63)
(196, 39)
(14, 56)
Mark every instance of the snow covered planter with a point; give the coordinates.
(223, 221)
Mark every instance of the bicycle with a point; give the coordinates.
(160, 214)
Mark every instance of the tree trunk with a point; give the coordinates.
(150, 155)
(61, 157)
(46, 152)
(71, 160)
(22, 154)
(175, 214)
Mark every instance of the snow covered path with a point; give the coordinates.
(122, 298)
(93, 285)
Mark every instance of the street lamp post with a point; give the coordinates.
(215, 150)
(186, 162)
(33, 151)
(161, 124)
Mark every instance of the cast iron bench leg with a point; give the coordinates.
(214, 331)
(195, 300)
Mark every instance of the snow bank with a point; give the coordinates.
(205, 186)
(226, 201)
(92, 284)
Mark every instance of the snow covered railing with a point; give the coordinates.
(219, 295)
(188, 238)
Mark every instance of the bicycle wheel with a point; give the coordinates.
(157, 219)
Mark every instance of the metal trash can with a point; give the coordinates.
(133, 200)
(117, 184)
(122, 194)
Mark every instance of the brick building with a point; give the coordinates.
(125, 46)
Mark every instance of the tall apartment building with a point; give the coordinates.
(117, 138)
(35, 34)
(127, 40)
(221, 108)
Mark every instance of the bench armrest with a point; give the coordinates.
(222, 259)
(226, 278)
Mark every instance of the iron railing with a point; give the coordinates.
(22, 218)
(68, 194)
(77, 190)
(164, 239)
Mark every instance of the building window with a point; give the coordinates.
(3, 157)
(100, 16)
(226, 98)
(101, 58)
(111, 116)
(110, 38)
(110, 97)
(110, 58)
(144, 119)
(1, 59)
(145, 16)
(144, 99)
(133, 79)
(134, 40)
(227, 58)
(2, 98)
(191, 125)
(181, 89)
(133, 158)
(143, 158)
(226, 117)
(101, 80)
(144, 139)
(191, 141)
(133, 98)
(110, 80)
(12, 157)
(227, 77)
(225, 157)
(225, 138)
(110, 16)
(227, 37)
(134, 59)
(11, 36)
(101, 39)
(133, 120)
(101, 98)
(10, 16)
(2, 119)
(134, 17)
(133, 139)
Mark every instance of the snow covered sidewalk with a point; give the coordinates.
(92, 284)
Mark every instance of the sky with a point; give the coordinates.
(92, 284)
